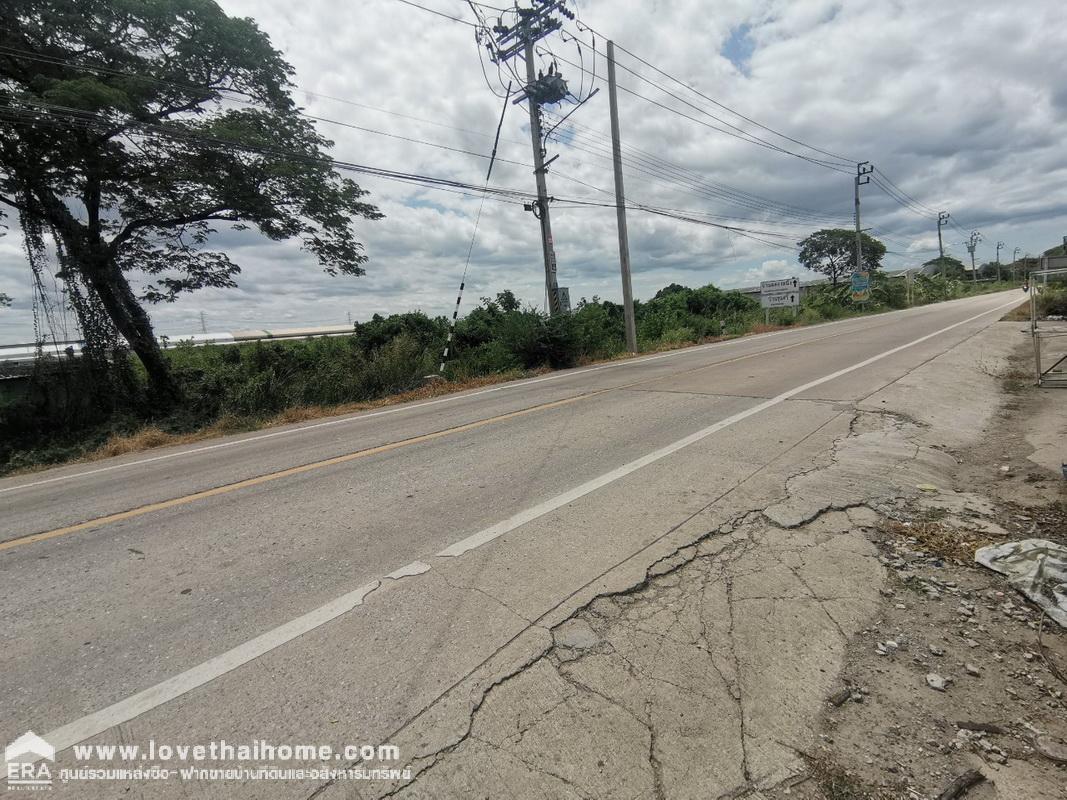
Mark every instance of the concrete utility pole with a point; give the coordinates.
(1015, 261)
(532, 25)
(620, 207)
(863, 171)
(203, 323)
(1000, 245)
(942, 221)
(972, 243)
(541, 209)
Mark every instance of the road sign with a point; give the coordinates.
(564, 295)
(780, 299)
(780, 293)
(785, 284)
(861, 287)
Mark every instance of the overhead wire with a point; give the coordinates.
(742, 136)
(78, 118)
(719, 104)
(660, 171)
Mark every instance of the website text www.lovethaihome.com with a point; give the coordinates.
(29, 762)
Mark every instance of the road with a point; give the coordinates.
(327, 582)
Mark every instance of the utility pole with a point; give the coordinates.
(203, 323)
(863, 171)
(972, 243)
(942, 221)
(1015, 261)
(532, 25)
(548, 248)
(620, 207)
(999, 246)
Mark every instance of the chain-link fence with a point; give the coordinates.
(1048, 325)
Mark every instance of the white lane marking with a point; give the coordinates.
(414, 568)
(137, 704)
(539, 510)
(449, 399)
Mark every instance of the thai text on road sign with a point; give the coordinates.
(780, 293)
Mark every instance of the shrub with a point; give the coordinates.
(1052, 301)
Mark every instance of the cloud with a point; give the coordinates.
(943, 98)
(770, 270)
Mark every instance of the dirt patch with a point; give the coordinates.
(1021, 313)
(957, 671)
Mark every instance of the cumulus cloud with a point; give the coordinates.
(947, 99)
(770, 270)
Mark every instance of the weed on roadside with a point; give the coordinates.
(836, 783)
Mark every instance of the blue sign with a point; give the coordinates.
(861, 286)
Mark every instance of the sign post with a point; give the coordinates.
(783, 293)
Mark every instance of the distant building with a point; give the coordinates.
(1053, 262)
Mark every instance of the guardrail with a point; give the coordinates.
(15, 358)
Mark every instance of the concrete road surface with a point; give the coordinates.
(326, 583)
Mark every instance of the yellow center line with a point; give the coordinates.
(227, 488)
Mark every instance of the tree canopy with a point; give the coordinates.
(832, 252)
(132, 129)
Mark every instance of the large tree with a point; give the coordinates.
(131, 127)
(832, 252)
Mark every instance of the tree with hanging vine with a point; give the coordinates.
(131, 131)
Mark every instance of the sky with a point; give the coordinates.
(962, 104)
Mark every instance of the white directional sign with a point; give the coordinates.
(780, 294)
(785, 284)
(784, 300)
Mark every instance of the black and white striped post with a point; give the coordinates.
(474, 235)
(451, 330)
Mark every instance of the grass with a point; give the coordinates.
(836, 783)
(151, 436)
(940, 540)
(1020, 313)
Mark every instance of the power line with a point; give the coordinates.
(681, 176)
(739, 134)
(742, 136)
(77, 118)
(906, 204)
(648, 164)
(722, 106)
(438, 13)
(915, 202)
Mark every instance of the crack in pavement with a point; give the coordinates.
(716, 569)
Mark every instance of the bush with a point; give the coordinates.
(678, 314)
(1051, 301)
